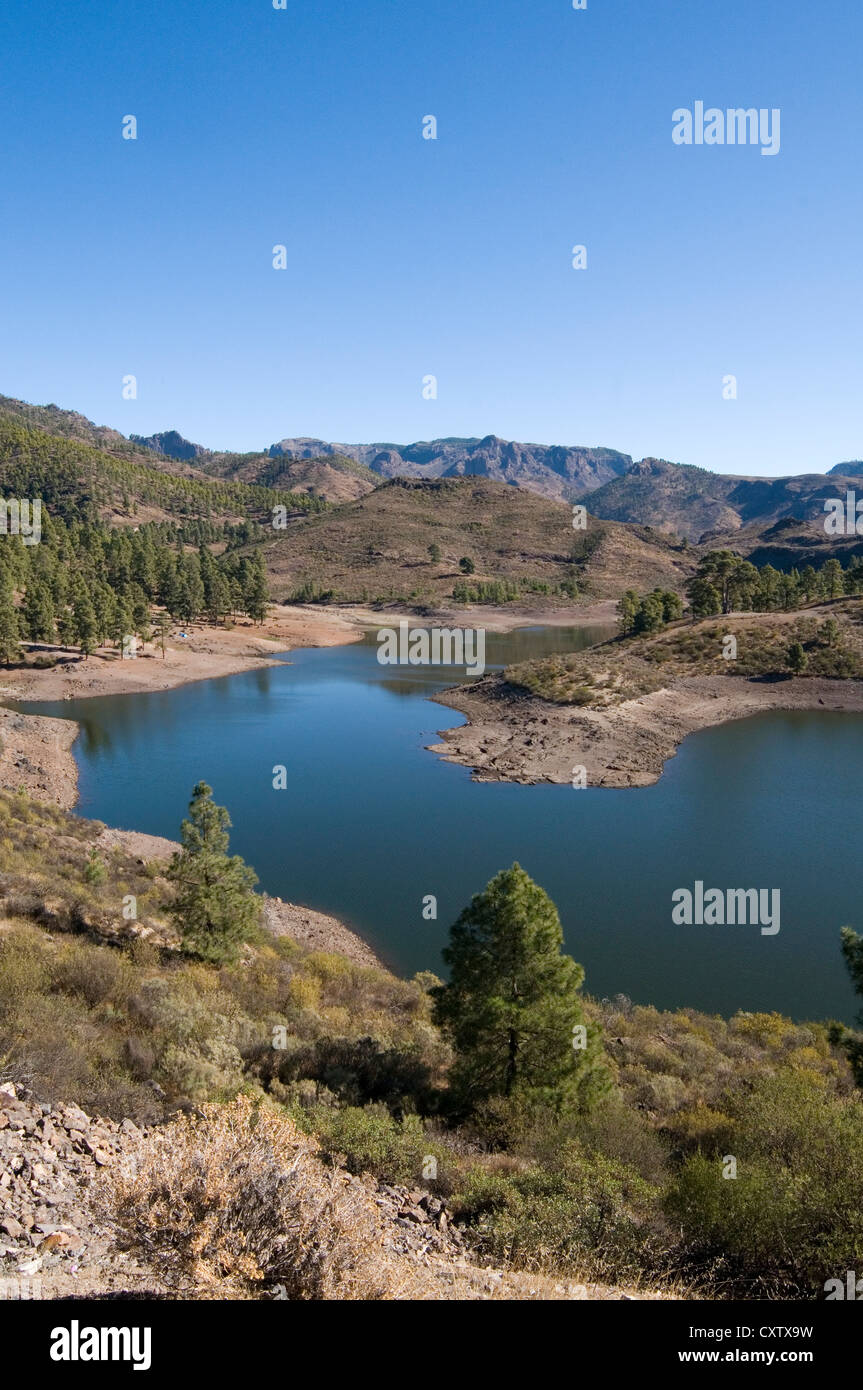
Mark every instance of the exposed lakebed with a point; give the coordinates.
(371, 822)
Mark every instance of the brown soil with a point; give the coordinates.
(205, 652)
(36, 754)
(520, 738)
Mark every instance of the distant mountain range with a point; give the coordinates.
(672, 497)
(552, 470)
(678, 499)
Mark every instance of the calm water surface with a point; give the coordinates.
(371, 822)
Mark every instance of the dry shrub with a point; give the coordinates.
(237, 1197)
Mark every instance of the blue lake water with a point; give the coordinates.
(371, 822)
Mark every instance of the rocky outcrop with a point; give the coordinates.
(554, 470)
(50, 1158)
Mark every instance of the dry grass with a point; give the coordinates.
(236, 1202)
(375, 550)
(626, 668)
(238, 1198)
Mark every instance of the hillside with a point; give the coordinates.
(159, 1139)
(377, 548)
(80, 481)
(334, 478)
(709, 507)
(558, 471)
(676, 499)
(794, 541)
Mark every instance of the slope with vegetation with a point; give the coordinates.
(564, 1137)
(438, 543)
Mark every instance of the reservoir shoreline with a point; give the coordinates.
(513, 736)
(342, 836)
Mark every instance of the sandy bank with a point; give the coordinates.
(316, 930)
(603, 613)
(36, 752)
(203, 653)
(513, 737)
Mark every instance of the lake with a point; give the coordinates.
(371, 822)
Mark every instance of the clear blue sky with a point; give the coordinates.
(407, 256)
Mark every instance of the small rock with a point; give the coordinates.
(57, 1240)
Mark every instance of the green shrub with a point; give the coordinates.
(370, 1140)
(793, 1216)
(588, 1216)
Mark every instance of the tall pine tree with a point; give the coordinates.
(10, 651)
(512, 1008)
(215, 907)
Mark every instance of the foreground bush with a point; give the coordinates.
(793, 1216)
(589, 1215)
(239, 1197)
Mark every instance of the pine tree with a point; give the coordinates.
(218, 599)
(192, 588)
(10, 651)
(105, 608)
(215, 908)
(512, 1008)
(833, 578)
(163, 627)
(83, 620)
(39, 612)
(140, 613)
(121, 622)
(255, 594)
(852, 950)
(627, 607)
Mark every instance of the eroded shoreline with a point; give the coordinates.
(36, 752)
(516, 737)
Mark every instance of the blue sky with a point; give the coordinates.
(409, 257)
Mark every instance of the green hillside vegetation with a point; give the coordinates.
(89, 582)
(790, 624)
(626, 668)
(79, 482)
(618, 1180)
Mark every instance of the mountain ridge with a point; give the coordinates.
(679, 499)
